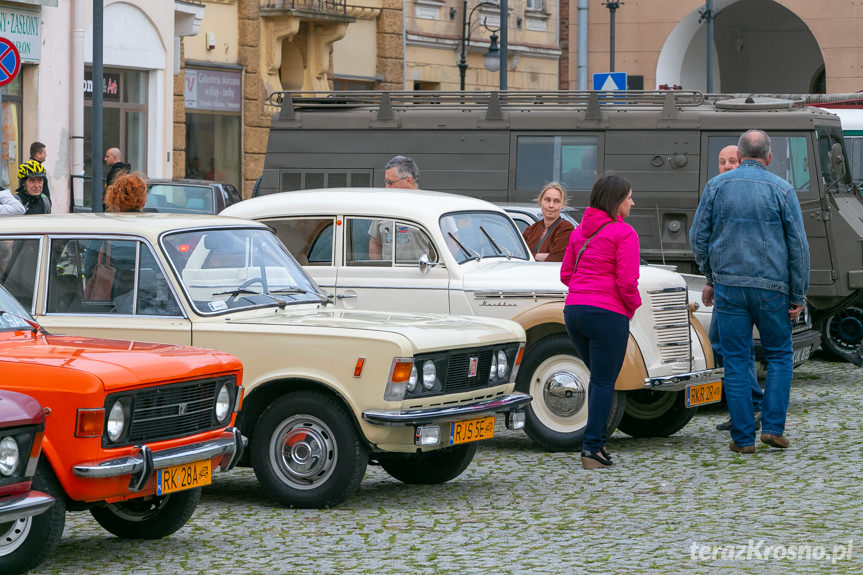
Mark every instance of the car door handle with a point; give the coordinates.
(346, 296)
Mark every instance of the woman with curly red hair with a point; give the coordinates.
(128, 193)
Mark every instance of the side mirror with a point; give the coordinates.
(425, 263)
(837, 160)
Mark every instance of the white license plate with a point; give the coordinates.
(802, 355)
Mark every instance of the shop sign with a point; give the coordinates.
(23, 28)
(110, 86)
(213, 90)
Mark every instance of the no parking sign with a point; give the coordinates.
(10, 61)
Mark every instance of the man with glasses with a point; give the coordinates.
(400, 172)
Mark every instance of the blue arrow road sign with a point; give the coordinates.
(609, 81)
(10, 61)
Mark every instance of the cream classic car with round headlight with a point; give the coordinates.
(327, 390)
(455, 254)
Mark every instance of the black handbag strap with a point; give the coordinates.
(547, 232)
(584, 246)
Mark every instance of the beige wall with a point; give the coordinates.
(220, 19)
(642, 29)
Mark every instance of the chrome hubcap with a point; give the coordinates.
(303, 451)
(564, 393)
(13, 534)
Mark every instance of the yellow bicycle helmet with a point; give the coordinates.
(31, 169)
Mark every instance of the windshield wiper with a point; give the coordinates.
(35, 327)
(471, 254)
(325, 299)
(494, 243)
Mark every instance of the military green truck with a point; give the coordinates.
(504, 146)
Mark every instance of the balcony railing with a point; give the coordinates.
(325, 7)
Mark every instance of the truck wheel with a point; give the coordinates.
(26, 542)
(152, 517)
(655, 413)
(557, 379)
(842, 333)
(306, 451)
(428, 467)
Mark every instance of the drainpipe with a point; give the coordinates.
(582, 45)
(404, 45)
(76, 167)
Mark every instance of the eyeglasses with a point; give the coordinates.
(394, 182)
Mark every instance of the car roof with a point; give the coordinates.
(146, 224)
(392, 202)
(185, 182)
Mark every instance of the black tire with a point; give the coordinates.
(842, 334)
(556, 423)
(655, 413)
(428, 467)
(152, 517)
(27, 542)
(306, 451)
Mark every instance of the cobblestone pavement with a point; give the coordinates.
(668, 506)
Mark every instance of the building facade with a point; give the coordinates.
(787, 46)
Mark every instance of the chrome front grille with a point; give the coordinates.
(670, 309)
(174, 410)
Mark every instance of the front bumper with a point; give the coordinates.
(144, 464)
(804, 343)
(681, 380)
(25, 505)
(507, 403)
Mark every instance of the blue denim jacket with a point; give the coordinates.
(748, 232)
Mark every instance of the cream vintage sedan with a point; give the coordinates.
(327, 389)
(448, 253)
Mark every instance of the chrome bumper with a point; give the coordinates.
(681, 380)
(142, 465)
(17, 506)
(511, 402)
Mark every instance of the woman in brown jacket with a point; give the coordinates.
(548, 238)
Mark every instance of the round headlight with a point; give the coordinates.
(223, 404)
(502, 365)
(412, 381)
(492, 372)
(116, 421)
(429, 374)
(8, 456)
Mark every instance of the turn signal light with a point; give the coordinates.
(401, 371)
(90, 422)
(358, 369)
(519, 355)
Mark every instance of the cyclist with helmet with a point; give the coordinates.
(32, 176)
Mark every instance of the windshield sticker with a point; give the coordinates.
(217, 305)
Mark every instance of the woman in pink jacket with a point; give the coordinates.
(600, 268)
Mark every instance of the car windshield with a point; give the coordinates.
(179, 198)
(12, 315)
(476, 235)
(227, 269)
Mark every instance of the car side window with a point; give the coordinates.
(19, 260)
(107, 277)
(381, 242)
(310, 240)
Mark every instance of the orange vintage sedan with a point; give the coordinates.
(133, 430)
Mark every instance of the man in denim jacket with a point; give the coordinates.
(748, 240)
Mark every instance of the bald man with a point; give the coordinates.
(113, 159)
(728, 159)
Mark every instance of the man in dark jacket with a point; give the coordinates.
(117, 167)
(32, 177)
(39, 152)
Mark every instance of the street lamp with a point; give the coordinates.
(612, 6)
(492, 58)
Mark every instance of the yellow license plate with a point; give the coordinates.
(181, 477)
(471, 430)
(703, 393)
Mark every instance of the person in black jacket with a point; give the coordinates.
(117, 167)
(39, 152)
(32, 174)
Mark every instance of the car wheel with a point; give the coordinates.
(428, 467)
(152, 517)
(307, 452)
(26, 542)
(842, 334)
(557, 379)
(655, 413)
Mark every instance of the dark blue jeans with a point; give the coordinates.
(737, 310)
(600, 336)
(713, 335)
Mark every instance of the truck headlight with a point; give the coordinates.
(223, 404)
(116, 421)
(429, 374)
(9, 455)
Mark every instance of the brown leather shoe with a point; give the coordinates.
(748, 449)
(779, 441)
